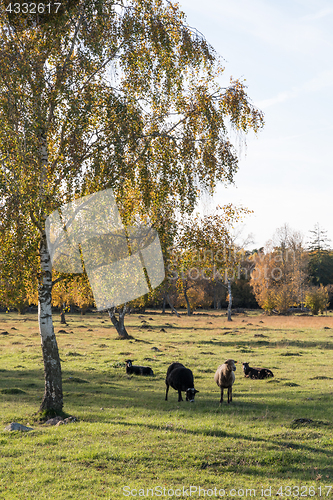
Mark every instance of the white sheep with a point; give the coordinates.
(225, 377)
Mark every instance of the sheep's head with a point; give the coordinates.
(190, 394)
(231, 364)
(128, 362)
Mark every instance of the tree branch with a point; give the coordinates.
(36, 223)
(62, 70)
(100, 68)
(61, 278)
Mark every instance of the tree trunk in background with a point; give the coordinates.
(119, 323)
(189, 312)
(53, 396)
(62, 315)
(171, 306)
(217, 298)
(230, 300)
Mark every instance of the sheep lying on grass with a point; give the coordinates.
(137, 370)
(225, 377)
(180, 379)
(256, 373)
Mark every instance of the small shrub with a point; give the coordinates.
(316, 299)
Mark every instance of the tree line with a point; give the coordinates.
(205, 268)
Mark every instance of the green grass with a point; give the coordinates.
(129, 436)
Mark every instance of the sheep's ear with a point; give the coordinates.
(195, 391)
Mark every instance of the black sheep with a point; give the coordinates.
(137, 370)
(180, 379)
(256, 373)
(265, 373)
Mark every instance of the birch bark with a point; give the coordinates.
(53, 396)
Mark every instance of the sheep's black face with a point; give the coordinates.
(246, 368)
(190, 394)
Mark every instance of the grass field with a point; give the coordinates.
(131, 443)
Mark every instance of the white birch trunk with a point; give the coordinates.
(53, 397)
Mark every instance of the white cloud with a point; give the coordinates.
(319, 82)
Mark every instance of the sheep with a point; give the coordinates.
(256, 373)
(138, 370)
(225, 377)
(180, 379)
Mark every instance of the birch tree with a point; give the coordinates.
(279, 278)
(108, 94)
(320, 257)
(206, 246)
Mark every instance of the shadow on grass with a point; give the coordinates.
(303, 344)
(136, 402)
(280, 455)
(85, 390)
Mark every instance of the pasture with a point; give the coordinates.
(274, 440)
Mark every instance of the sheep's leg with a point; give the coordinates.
(229, 394)
(221, 400)
(180, 396)
(167, 390)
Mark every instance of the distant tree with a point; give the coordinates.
(61, 298)
(316, 299)
(186, 284)
(242, 292)
(263, 279)
(279, 276)
(213, 253)
(70, 291)
(18, 258)
(320, 257)
(330, 295)
(185, 274)
(195, 295)
(81, 293)
(166, 294)
(218, 293)
(294, 259)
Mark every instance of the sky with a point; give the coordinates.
(284, 51)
